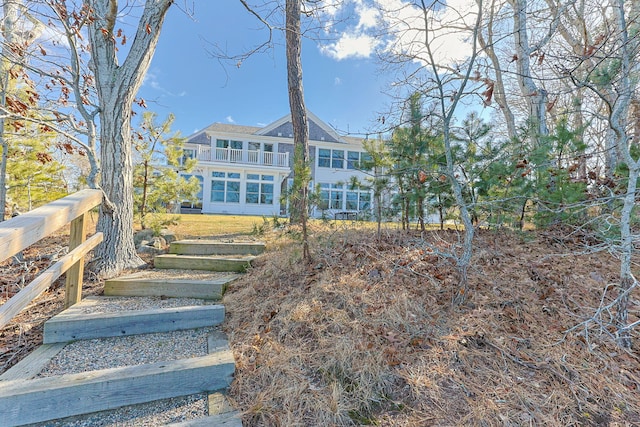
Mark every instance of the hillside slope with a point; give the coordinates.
(366, 335)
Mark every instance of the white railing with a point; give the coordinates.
(253, 157)
(233, 155)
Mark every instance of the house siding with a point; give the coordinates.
(245, 166)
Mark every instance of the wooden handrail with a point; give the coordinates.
(24, 230)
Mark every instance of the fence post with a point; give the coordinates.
(73, 281)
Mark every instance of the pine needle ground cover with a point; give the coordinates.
(366, 334)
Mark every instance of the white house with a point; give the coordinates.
(245, 169)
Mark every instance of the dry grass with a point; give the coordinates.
(195, 225)
(24, 332)
(366, 335)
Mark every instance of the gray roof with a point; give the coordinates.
(200, 137)
(231, 128)
(316, 133)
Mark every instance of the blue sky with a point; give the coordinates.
(185, 80)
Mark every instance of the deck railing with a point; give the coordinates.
(234, 155)
(20, 232)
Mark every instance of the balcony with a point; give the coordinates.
(246, 157)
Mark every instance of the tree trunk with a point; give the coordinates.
(447, 106)
(498, 85)
(299, 121)
(117, 86)
(420, 202)
(117, 251)
(626, 275)
(536, 97)
(619, 124)
(10, 11)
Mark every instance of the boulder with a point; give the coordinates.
(158, 242)
(146, 234)
(168, 235)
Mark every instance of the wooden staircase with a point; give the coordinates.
(209, 256)
(26, 399)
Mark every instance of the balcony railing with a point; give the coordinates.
(232, 155)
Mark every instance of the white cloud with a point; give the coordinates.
(447, 33)
(351, 45)
(337, 81)
(367, 16)
(229, 119)
(152, 80)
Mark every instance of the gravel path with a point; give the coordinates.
(91, 305)
(181, 274)
(151, 414)
(104, 353)
(115, 352)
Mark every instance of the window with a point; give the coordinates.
(334, 196)
(324, 196)
(353, 159)
(337, 159)
(352, 200)
(225, 187)
(364, 202)
(358, 199)
(337, 195)
(253, 192)
(187, 154)
(266, 194)
(331, 196)
(324, 158)
(198, 203)
(358, 160)
(225, 143)
(365, 161)
(259, 189)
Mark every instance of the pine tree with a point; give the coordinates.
(157, 179)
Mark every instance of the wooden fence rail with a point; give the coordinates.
(24, 230)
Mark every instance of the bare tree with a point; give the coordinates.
(419, 33)
(495, 87)
(117, 85)
(85, 77)
(627, 49)
(447, 105)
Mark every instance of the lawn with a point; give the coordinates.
(196, 225)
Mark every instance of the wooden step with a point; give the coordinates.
(42, 399)
(178, 285)
(215, 247)
(31, 365)
(238, 264)
(76, 324)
